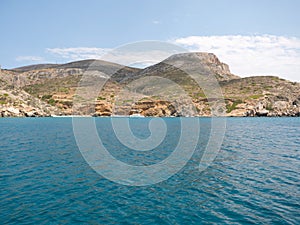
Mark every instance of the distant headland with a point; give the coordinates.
(49, 89)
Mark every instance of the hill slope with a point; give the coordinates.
(49, 89)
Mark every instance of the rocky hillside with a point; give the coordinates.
(262, 96)
(49, 89)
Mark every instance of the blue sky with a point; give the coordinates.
(31, 29)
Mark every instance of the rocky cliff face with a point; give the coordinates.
(210, 60)
(49, 89)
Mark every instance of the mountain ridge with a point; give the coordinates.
(52, 88)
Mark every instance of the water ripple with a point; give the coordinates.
(255, 178)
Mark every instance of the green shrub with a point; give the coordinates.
(269, 107)
(101, 98)
(233, 106)
(46, 97)
(51, 101)
(67, 103)
(256, 96)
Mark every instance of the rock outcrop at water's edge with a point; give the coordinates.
(49, 89)
(18, 103)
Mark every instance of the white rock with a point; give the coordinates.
(13, 110)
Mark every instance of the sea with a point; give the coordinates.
(254, 177)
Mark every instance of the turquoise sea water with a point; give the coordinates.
(254, 179)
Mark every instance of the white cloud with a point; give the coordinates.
(251, 55)
(246, 55)
(142, 64)
(29, 58)
(156, 22)
(135, 57)
(78, 53)
(140, 53)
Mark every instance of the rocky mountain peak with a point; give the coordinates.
(210, 60)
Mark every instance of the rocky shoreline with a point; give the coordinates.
(157, 109)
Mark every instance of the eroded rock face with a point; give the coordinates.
(20, 104)
(266, 107)
(158, 108)
(262, 112)
(296, 102)
(210, 60)
(103, 108)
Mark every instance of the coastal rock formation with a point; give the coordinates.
(50, 89)
(154, 108)
(266, 106)
(18, 103)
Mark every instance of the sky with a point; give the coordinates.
(258, 37)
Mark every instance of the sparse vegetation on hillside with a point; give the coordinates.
(56, 85)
